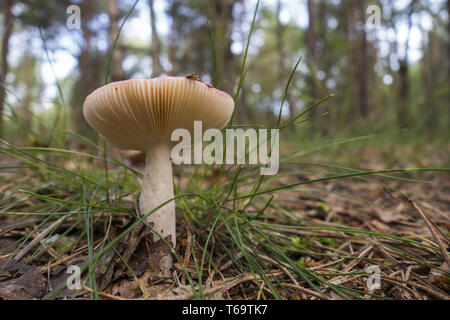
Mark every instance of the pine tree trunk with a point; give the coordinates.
(284, 71)
(90, 72)
(157, 69)
(311, 44)
(403, 114)
(363, 97)
(30, 82)
(223, 26)
(358, 58)
(7, 27)
(117, 56)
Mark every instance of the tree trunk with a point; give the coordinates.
(156, 44)
(311, 44)
(403, 116)
(428, 82)
(7, 27)
(172, 41)
(284, 72)
(403, 94)
(223, 26)
(358, 58)
(116, 71)
(30, 83)
(448, 38)
(89, 71)
(363, 98)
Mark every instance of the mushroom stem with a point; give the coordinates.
(157, 188)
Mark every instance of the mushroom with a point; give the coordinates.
(141, 114)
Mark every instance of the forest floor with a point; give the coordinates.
(329, 239)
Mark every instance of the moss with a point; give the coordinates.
(329, 242)
(301, 242)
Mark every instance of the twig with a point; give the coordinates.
(260, 291)
(107, 231)
(304, 290)
(39, 237)
(223, 287)
(187, 254)
(432, 227)
(230, 262)
(327, 264)
(418, 286)
(279, 265)
(341, 279)
(77, 252)
(104, 294)
(403, 286)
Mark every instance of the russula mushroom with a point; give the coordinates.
(141, 114)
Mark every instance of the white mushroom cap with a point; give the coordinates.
(133, 114)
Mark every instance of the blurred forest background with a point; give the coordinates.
(389, 78)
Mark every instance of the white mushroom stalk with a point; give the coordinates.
(141, 114)
(157, 188)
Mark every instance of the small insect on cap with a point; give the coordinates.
(132, 114)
